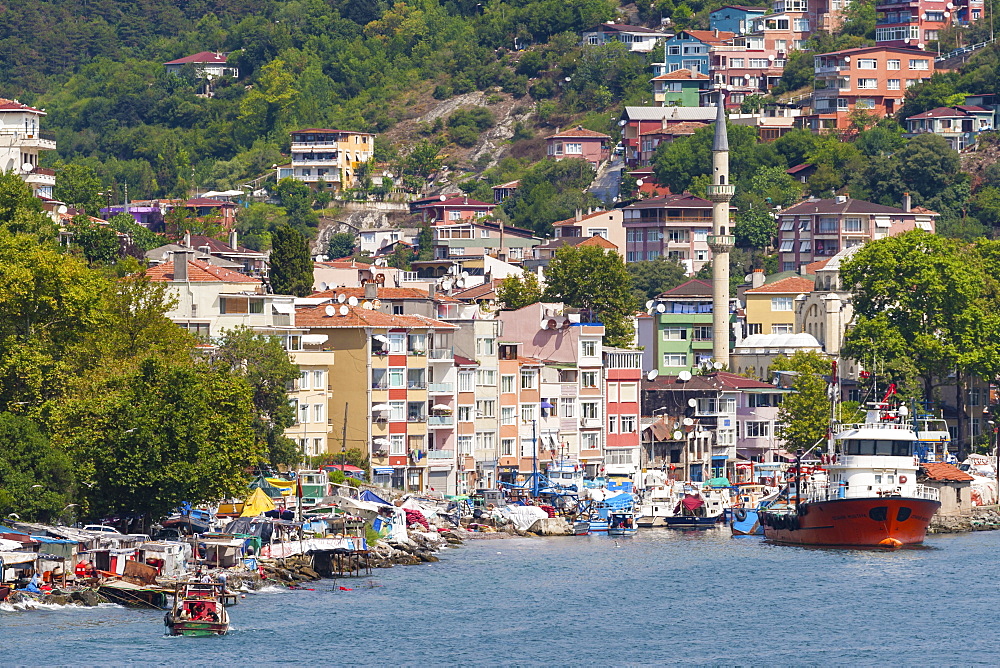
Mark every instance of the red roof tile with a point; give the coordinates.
(199, 272)
(581, 132)
(599, 241)
(945, 472)
(383, 293)
(711, 36)
(682, 73)
(322, 131)
(813, 267)
(315, 316)
(484, 291)
(583, 217)
(200, 58)
(14, 105)
(790, 285)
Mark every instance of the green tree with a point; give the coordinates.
(291, 264)
(340, 245)
(928, 164)
(141, 236)
(98, 243)
(653, 277)
(265, 365)
(755, 228)
(36, 478)
(517, 291)
(78, 186)
(425, 243)
(805, 413)
(297, 199)
(595, 280)
(21, 211)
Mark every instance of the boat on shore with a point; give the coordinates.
(198, 610)
(869, 497)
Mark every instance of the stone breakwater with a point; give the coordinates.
(986, 518)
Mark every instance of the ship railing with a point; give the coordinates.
(838, 491)
(873, 425)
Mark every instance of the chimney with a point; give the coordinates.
(233, 239)
(181, 264)
(465, 200)
(757, 278)
(187, 239)
(717, 34)
(840, 199)
(371, 290)
(431, 290)
(579, 215)
(907, 202)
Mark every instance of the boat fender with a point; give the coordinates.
(740, 514)
(902, 479)
(795, 524)
(801, 511)
(490, 506)
(168, 620)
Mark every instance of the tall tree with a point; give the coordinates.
(78, 186)
(36, 478)
(652, 277)
(590, 278)
(340, 245)
(291, 265)
(805, 413)
(516, 292)
(98, 243)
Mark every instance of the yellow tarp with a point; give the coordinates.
(257, 503)
(287, 487)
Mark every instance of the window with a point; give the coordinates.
(867, 64)
(485, 440)
(674, 333)
(397, 309)
(781, 303)
(486, 347)
(863, 103)
(304, 380)
(787, 246)
(303, 413)
(918, 64)
(590, 440)
(827, 225)
(677, 236)
(852, 225)
(466, 381)
(589, 410)
(507, 384)
(318, 412)
(652, 255)
(725, 437)
(508, 415)
(674, 50)
(612, 393)
(674, 359)
(397, 444)
(758, 63)
(892, 64)
(567, 407)
(702, 333)
(892, 84)
(628, 423)
(598, 231)
(867, 84)
(397, 411)
(654, 235)
(318, 380)
(588, 378)
(465, 413)
(464, 445)
(528, 380)
(417, 343)
(754, 328)
(788, 225)
(529, 412)
(397, 344)
(486, 377)
(575, 149)
(800, 25)
(782, 328)
(486, 408)
(805, 246)
(630, 256)
(805, 225)
(612, 423)
(736, 63)
(507, 447)
(588, 348)
(628, 393)
(397, 377)
(762, 400)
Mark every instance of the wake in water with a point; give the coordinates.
(39, 605)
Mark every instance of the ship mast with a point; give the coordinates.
(834, 391)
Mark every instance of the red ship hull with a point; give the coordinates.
(886, 522)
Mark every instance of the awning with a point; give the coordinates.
(11, 558)
(785, 454)
(380, 441)
(440, 407)
(314, 339)
(12, 545)
(380, 408)
(287, 309)
(381, 339)
(716, 458)
(440, 469)
(383, 470)
(257, 503)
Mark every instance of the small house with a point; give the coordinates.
(953, 484)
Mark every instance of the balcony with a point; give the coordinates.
(831, 69)
(590, 423)
(441, 354)
(416, 385)
(440, 454)
(40, 140)
(720, 193)
(441, 421)
(441, 388)
(313, 178)
(40, 179)
(416, 417)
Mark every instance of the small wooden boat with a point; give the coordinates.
(198, 610)
(621, 523)
(581, 527)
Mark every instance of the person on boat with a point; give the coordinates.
(223, 579)
(185, 613)
(206, 578)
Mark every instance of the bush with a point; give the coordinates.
(442, 92)
(464, 135)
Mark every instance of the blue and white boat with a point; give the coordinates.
(622, 523)
(746, 519)
(697, 510)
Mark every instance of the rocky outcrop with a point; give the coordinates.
(551, 526)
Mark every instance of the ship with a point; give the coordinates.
(866, 495)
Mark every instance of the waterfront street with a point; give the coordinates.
(661, 597)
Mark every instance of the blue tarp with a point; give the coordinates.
(620, 501)
(372, 497)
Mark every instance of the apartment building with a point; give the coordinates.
(21, 141)
(638, 120)
(331, 156)
(820, 228)
(675, 226)
(310, 396)
(451, 209)
(471, 238)
(605, 224)
(680, 88)
(960, 125)
(679, 335)
(689, 49)
(623, 379)
(913, 23)
(395, 397)
(748, 65)
(770, 308)
(871, 79)
(639, 39)
(737, 19)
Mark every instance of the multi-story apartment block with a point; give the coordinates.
(770, 308)
(958, 125)
(737, 19)
(823, 15)
(473, 238)
(21, 140)
(650, 140)
(913, 23)
(675, 226)
(680, 88)
(746, 66)
(395, 397)
(331, 156)
(689, 49)
(605, 224)
(310, 396)
(871, 79)
(820, 228)
(451, 209)
(678, 336)
(623, 379)
(638, 120)
(638, 38)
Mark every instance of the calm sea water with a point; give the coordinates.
(660, 597)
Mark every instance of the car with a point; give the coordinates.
(103, 528)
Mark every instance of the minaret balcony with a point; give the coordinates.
(721, 243)
(721, 193)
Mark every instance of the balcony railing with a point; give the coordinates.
(416, 418)
(440, 421)
(416, 385)
(441, 388)
(440, 454)
(441, 353)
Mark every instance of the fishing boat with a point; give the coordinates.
(870, 498)
(658, 504)
(581, 526)
(198, 610)
(621, 523)
(746, 519)
(698, 509)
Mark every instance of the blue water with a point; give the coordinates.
(661, 597)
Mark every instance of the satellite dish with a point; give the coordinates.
(652, 374)
(692, 403)
(341, 298)
(460, 283)
(366, 305)
(661, 308)
(622, 122)
(352, 301)
(329, 309)
(678, 435)
(748, 278)
(446, 285)
(676, 425)
(344, 310)
(684, 376)
(442, 197)
(717, 365)
(688, 421)
(465, 274)
(27, 168)
(376, 303)
(649, 304)
(62, 208)
(639, 182)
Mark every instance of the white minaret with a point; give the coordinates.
(721, 241)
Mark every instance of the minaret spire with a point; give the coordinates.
(721, 240)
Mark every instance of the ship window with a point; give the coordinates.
(892, 480)
(902, 448)
(883, 447)
(878, 480)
